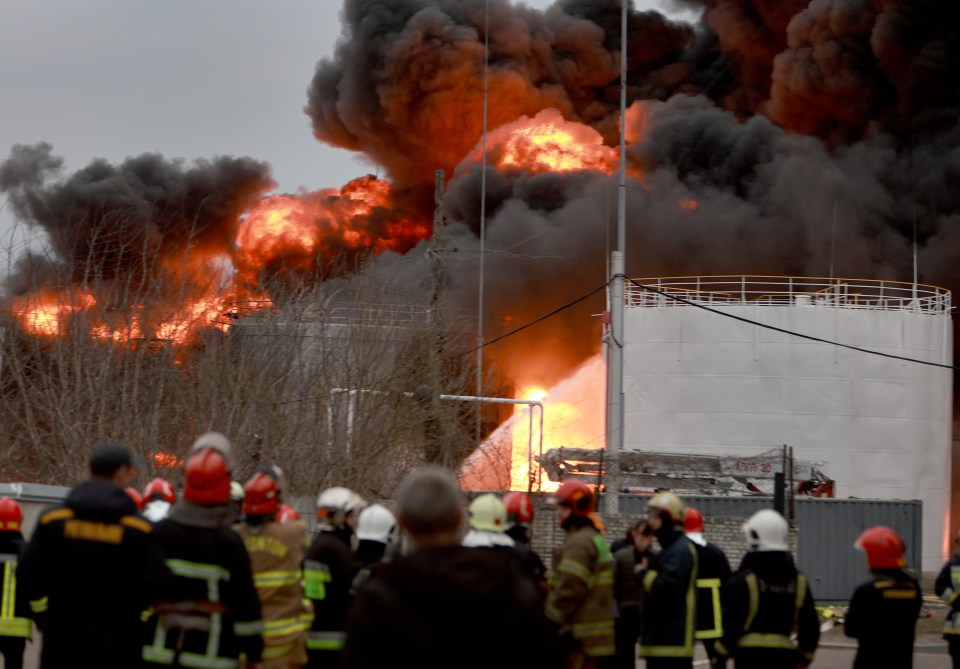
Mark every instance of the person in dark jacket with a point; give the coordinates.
(713, 572)
(444, 605)
(883, 611)
(767, 601)
(15, 624)
(519, 520)
(210, 616)
(628, 593)
(947, 587)
(91, 568)
(328, 574)
(669, 585)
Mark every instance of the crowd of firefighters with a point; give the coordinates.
(225, 575)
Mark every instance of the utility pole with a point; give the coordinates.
(615, 333)
(435, 432)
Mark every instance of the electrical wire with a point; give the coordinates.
(784, 331)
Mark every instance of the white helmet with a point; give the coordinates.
(335, 504)
(766, 531)
(487, 512)
(376, 523)
(217, 442)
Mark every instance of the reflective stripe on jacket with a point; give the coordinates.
(12, 621)
(276, 553)
(670, 606)
(580, 599)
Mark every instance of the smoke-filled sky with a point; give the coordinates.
(787, 137)
(113, 78)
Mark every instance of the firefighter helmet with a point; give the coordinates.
(236, 492)
(159, 489)
(287, 513)
(487, 512)
(692, 520)
(216, 442)
(134, 494)
(519, 508)
(766, 531)
(883, 546)
(376, 523)
(335, 504)
(207, 480)
(260, 496)
(576, 494)
(11, 515)
(668, 503)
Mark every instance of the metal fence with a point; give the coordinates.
(826, 528)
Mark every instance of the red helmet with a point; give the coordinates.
(519, 508)
(11, 516)
(159, 489)
(287, 513)
(207, 479)
(576, 494)
(883, 546)
(260, 496)
(692, 520)
(135, 496)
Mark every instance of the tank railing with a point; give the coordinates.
(791, 291)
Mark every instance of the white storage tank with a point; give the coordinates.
(700, 382)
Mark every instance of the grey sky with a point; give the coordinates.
(115, 78)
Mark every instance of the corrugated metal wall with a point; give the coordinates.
(827, 529)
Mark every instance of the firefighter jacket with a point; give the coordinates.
(766, 602)
(447, 606)
(328, 573)
(947, 587)
(210, 614)
(14, 607)
(580, 598)
(882, 617)
(669, 609)
(276, 555)
(713, 572)
(91, 567)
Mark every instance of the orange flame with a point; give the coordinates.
(166, 460)
(46, 313)
(300, 230)
(548, 143)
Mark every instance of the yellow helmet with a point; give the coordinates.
(669, 503)
(487, 512)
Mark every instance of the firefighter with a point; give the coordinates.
(158, 497)
(328, 574)
(669, 588)
(276, 553)
(488, 523)
(211, 614)
(286, 512)
(444, 605)
(767, 601)
(713, 572)
(519, 521)
(883, 611)
(580, 598)
(91, 567)
(947, 587)
(15, 625)
(628, 593)
(377, 539)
